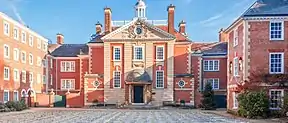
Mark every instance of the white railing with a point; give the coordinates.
(120, 23)
(153, 22)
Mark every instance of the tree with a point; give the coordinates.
(208, 102)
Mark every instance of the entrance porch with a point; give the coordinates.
(138, 93)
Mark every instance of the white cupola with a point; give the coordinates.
(140, 9)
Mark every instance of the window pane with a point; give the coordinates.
(159, 79)
(117, 81)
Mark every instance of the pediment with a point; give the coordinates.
(138, 30)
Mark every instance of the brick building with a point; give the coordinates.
(21, 60)
(139, 61)
(257, 44)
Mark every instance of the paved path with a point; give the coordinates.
(113, 116)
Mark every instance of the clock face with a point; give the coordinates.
(138, 30)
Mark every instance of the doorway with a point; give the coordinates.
(138, 94)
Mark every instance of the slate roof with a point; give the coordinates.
(218, 49)
(70, 50)
(268, 8)
(96, 38)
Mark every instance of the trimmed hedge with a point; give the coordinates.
(13, 106)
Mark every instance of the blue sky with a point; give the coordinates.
(76, 19)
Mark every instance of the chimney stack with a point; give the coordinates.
(108, 19)
(222, 36)
(60, 38)
(98, 27)
(182, 26)
(171, 9)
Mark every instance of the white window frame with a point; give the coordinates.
(7, 56)
(114, 53)
(163, 54)
(16, 55)
(115, 79)
(213, 65)
(65, 66)
(16, 35)
(282, 30)
(31, 77)
(162, 78)
(134, 53)
(236, 66)
(51, 63)
(23, 52)
(44, 46)
(39, 78)
(282, 95)
(7, 33)
(236, 37)
(17, 97)
(31, 40)
(39, 43)
(23, 37)
(213, 82)
(282, 62)
(31, 59)
(72, 81)
(17, 76)
(39, 61)
(6, 91)
(23, 76)
(234, 96)
(51, 79)
(6, 78)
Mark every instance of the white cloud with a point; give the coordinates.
(225, 16)
(211, 19)
(13, 6)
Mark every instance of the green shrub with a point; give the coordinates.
(284, 107)
(253, 104)
(182, 102)
(208, 102)
(16, 105)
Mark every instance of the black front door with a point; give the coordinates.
(138, 94)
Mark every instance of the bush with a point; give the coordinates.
(253, 104)
(208, 102)
(182, 102)
(15, 106)
(284, 107)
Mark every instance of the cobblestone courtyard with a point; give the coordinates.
(115, 116)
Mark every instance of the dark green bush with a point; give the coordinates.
(15, 106)
(182, 102)
(253, 104)
(208, 102)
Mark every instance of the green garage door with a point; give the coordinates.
(221, 101)
(60, 101)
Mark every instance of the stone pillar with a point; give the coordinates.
(51, 99)
(67, 95)
(85, 89)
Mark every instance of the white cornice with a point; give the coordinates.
(7, 18)
(66, 58)
(266, 18)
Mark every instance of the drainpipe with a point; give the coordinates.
(47, 73)
(56, 74)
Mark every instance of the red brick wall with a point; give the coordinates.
(98, 94)
(182, 94)
(180, 59)
(261, 46)
(66, 75)
(97, 60)
(221, 74)
(74, 100)
(155, 67)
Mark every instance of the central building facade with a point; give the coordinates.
(139, 61)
